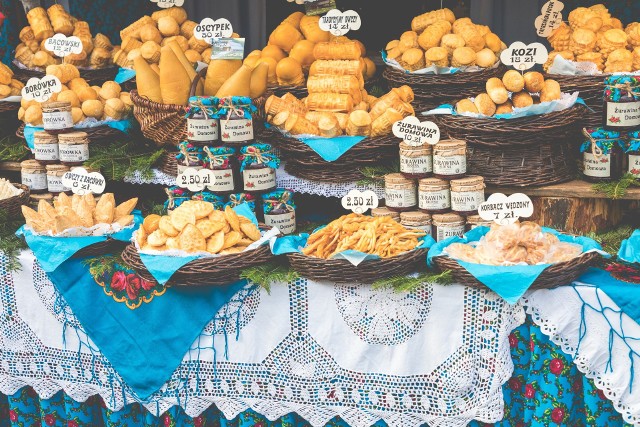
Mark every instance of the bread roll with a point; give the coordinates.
(289, 72)
(550, 91)
(505, 108)
(533, 81)
(486, 58)
(329, 127)
(384, 123)
(298, 125)
(335, 102)
(466, 106)
(302, 52)
(273, 51)
(521, 99)
(485, 105)
(413, 59)
(310, 28)
(496, 90)
(285, 36)
(329, 50)
(513, 81)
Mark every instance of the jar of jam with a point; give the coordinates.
(56, 117)
(382, 211)
(45, 148)
(416, 220)
(467, 194)
(54, 179)
(401, 194)
(633, 154)
(474, 221)
(202, 123)
(190, 156)
(236, 121)
(175, 197)
(621, 103)
(240, 198)
(221, 161)
(74, 148)
(450, 159)
(447, 225)
(434, 195)
(258, 168)
(34, 175)
(416, 162)
(34, 199)
(602, 155)
(280, 210)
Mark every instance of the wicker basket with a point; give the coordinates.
(9, 118)
(12, 205)
(96, 135)
(102, 248)
(556, 275)
(342, 271)
(591, 90)
(301, 92)
(169, 163)
(218, 271)
(433, 90)
(93, 76)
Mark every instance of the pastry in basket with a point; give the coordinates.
(195, 226)
(8, 85)
(80, 212)
(381, 236)
(7, 190)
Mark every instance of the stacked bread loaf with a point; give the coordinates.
(514, 90)
(438, 38)
(96, 51)
(593, 35)
(8, 85)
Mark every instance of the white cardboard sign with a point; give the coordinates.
(168, 3)
(62, 45)
(524, 56)
(41, 90)
(209, 29)
(340, 23)
(82, 182)
(550, 19)
(360, 201)
(504, 209)
(416, 133)
(195, 180)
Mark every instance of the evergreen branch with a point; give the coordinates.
(99, 266)
(410, 283)
(12, 150)
(374, 175)
(612, 240)
(117, 161)
(267, 274)
(10, 245)
(617, 189)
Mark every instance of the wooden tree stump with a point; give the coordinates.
(579, 216)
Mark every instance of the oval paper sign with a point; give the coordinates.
(340, 23)
(209, 29)
(360, 201)
(40, 90)
(416, 133)
(82, 182)
(524, 56)
(506, 210)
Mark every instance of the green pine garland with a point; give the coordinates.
(12, 150)
(612, 240)
(267, 274)
(373, 175)
(617, 189)
(10, 245)
(117, 161)
(410, 283)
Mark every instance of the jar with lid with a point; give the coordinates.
(240, 198)
(450, 159)
(222, 162)
(236, 121)
(202, 121)
(621, 103)
(434, 195)
(447, 225)
(416, 220)
(602, 155)
(633, 154)
(382, 211)
(280, 210)
(34, 199)
(74, 148)
(175, 197)
(474, 221)
(45, 148)
(57, 117)
(54, 179)
(416, 162)
(258, 168)
(189, 156)
(467, 194)
(401, 194)
(34, 175)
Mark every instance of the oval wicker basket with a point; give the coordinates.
(9, 118)
(591, 90)
(342, 271)
(12, 205)
(559, 274)
(93, 76)
(102, 248)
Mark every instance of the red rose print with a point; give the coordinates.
(13, 416)
(167, 420)
(198, 422)
(556, 366)
(515, 384)
(72, 423)
(532, 345)
(513, 341)
(49, 419)
(118, 281)
(529, 391)
(146, 285)
(577, 386)
(133, 286)
(557, 415)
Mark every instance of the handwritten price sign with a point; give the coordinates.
(360, 201)
(524, 56)
(62, 45)
(196, 180)
(82, 182)
(416, 133)
(550, 19)
(41, 90)
(168, 3)
(209, 29)
(340, 23)
(506, 210)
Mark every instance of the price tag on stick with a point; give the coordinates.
(550, 19)
(318, 7)
(360, 201)
(196, 180)
(41, 90)
(62, 45)
(227, 48)
(340, 23)
(82, 182)
(504, 209)
(524, 56)
(416, 133)
(209, 29)
(168, 3)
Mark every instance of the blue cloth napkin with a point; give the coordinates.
(510, 282)
(331, 149)
(625, 295)
(124, 75)
(630, 248)
(147, 344)
(121, 125)
(51, 252)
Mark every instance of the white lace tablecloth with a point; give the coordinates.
(438, 355)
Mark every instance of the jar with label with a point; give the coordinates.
(236, 120)
(382, 211)
(450, 159)
(202, 121)
(258, 168)
(621, 103)
(222, 161)
(474, 221)
(602, 155)
(633, 154)
(240, 198)
(34, 176)
(34, 199)
(467, 194)
(280, 210)
(74, 148)
(207, 196)
(447, 225)
(434, 195)
(401, 193)
(416, 220)
(56, 117)
(416, 162)
(54, 179)
(45, 148)
(189, 156)
(175, 197)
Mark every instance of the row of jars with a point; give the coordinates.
(212, 121)
(445, 160)
(621, 110)
(43, 178)
(57, 118)
(607, 155)
(70, 149)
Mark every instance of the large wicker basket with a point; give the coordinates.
(12, 205)
(93, 76)
(109, 246)
(591, 90)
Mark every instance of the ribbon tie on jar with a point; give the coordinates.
(204, 108)
(280, 203)
(189, 157)
(627, 87)
(215, 160)
(172, 199)
(257, 154)
(236, 199)
(232, 109)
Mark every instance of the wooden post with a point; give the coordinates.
(575, 215)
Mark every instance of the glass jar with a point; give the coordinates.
(56, 117)
(633, 154)
(382, 211)
(416, 220)
(447, 225)
(416, 162)
(467, 194)
(450, 159)
(74, 148)
(434, 195)
(401, 194)
(221, 161)
(474, 221)
(258, 168)
(175, 197)
(602, 155)
(189, 156)
(34, 199)
(280, 210)
(236, 121)
(240, 198)
(202, 125)
(54, 179)
(621, 103)
(45, 148)
(34, 175)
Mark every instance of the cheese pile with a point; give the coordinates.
(8, 85)
(7, 190)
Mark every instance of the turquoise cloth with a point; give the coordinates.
(124, 75)
(331, 149)
(625, 295)
(510, 282)
(630, 248)
(121, 125)
(51, 252)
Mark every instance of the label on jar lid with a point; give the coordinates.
(505, 210)
(450, 165)
(82, 182)
(434, 200)
(227, 48)
(623, 114)
(360, 201)
(35, 181)
(62, 45)
(236, 130)
(259, 179)
(208, 29)
(524, 56)
(285, 222)
(55, 184)
(318, 7)
(446, 231)
(634, 165)
(599, 167)
(168, 3)
(195, 179)
(340, 23)
(416, 133)
(550, 19)
(203, 130)
(41, 90)
(46, 151)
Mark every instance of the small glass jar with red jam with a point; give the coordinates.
(602, 155)
(45, 148)
(73, 148)
(467, 194)
(434, 195)
(222, 161)
(447, 225)
(401, 194)
(189, 156)
(621, 110)
(633, 154)
(280, 210)
(56, 117)
(258, 168)
(236, 121)
(450, 159)
(416, 162)
(202, 122)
